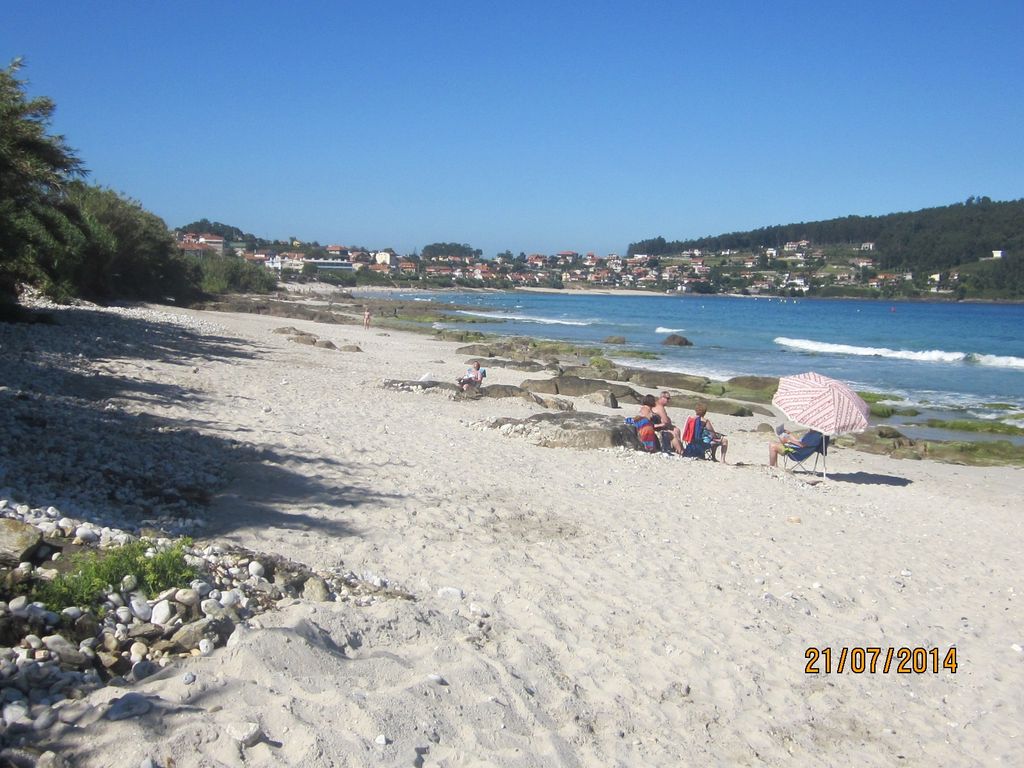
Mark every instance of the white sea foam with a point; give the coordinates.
(926, 356)
(933, 355)
(662, 329)
(999, 361)
(525, 318)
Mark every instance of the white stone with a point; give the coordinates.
(210, 607)
(382, 740)
(205, 646)
(138, 651)
(187, 597)
(18, 605)
(256, 569)
(15, 712)
(230, 598)
(162, 613)
(124, 614)
(142, 609)
(129, 583)
(86, 534)
(451, 593)
(247, 734)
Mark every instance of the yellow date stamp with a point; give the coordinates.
(874, 659)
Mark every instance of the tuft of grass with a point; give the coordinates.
(92, 573)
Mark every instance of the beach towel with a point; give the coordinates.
(645, 433)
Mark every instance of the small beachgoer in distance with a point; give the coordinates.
(473, 379)
(717, 441)
(663, 423)
(366, 319)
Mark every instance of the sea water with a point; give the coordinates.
(937, 356)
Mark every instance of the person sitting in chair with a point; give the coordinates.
(473, 379)
(718, 440)
(787, 442)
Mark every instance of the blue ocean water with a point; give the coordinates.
(938, 355)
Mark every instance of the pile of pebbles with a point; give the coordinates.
(51, 659)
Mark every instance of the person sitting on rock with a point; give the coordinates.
(644, 425)
(473, 379)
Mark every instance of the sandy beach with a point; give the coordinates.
(572, 608)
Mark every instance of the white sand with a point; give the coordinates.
(639, 610)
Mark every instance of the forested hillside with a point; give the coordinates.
(930, 239)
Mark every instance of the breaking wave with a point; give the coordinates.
(927, 356)
(662, 329)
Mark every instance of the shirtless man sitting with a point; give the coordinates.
(665, 422)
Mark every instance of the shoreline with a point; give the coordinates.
(921, 430)
(684, 294)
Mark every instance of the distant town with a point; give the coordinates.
(797, 268)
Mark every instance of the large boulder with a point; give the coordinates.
(18, 541)
(480, 350)
(608, 373)
(501, 390)
(604, 397)
(662, 379)
(541, 386)
(614, 340)
(573, 386)
(675, 340)
(530, 366)
(573, 429)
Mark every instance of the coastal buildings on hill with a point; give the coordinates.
(798, 267)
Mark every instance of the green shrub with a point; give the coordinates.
(228, 274)
(93, 572)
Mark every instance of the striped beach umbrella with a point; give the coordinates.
(821, 403)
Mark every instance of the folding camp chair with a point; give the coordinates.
(814, 444)
(698, 446)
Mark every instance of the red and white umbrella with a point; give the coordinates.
(821, 403)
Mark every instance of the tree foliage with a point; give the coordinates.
(228, 232)
(933, 238)
(437, 250)
(38, 228)
(74, 239)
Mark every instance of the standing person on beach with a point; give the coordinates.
(664, 422)
(366, 319)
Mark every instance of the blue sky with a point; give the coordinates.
(532, 126)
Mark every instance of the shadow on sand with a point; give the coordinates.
(870, 478)
(70, 440)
